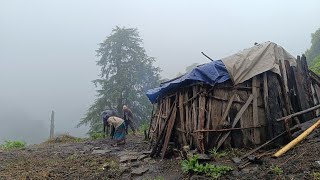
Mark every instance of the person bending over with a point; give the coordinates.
(120, 130)
(128, 118)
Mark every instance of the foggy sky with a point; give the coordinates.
(47, 48)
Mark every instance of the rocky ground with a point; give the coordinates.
(99, 160)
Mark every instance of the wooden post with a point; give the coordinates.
(256, 132)
(182, 118)
(52, 125)
(202, 103)
(266, 105)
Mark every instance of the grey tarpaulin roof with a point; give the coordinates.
(256, 60)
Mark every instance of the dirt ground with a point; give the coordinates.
(99, 160)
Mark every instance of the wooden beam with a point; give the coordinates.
(235, 121)
(223, 130)
(299, 113)
(234, 101)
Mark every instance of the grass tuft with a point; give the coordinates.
(12, 145)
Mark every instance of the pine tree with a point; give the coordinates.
(127, 72)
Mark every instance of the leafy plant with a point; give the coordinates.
(10, 145)
(192, 166)
(96, 135)
(215, 153)
(276, 170)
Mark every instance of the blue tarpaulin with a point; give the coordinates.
(209, 73)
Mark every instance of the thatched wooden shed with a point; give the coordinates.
(233, 102)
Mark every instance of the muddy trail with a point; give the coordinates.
(99, 160)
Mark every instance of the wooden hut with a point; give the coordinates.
(236, 108)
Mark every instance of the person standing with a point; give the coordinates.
(120, 130)
(128, 119)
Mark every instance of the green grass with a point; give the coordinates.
(276, 170)
(11, 145)
(192, 166)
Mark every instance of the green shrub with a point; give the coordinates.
(192, 166)
(10, 145)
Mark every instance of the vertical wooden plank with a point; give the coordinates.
(202, 102)
(256, 133)
(317, 91)
(182, 118)
(171, 122)
(302, 89)
(266, 105)
(208, 120)
(274, 102)
(195, 113)
(308, 82)
(246, 120)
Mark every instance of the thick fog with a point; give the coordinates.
(47, 48)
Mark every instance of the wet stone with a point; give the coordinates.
(236, 160)
(204, 157)
(128, 158)
(139, 171)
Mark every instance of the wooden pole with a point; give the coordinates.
(297, 140)
(206, 56)
(299, 113)
(52, 125)
(223, 130)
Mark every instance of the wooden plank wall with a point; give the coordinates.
(205, 115)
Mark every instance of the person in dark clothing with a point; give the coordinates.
(128, 119)
(105, 116)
